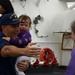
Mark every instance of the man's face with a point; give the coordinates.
(11, 30)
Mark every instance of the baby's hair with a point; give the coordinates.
(73, 26)
(25, 17)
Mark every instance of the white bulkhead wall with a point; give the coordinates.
(48, 9)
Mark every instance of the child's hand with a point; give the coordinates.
(6, 38)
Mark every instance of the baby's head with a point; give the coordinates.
(25, 22)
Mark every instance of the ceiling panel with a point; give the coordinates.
(68, 0)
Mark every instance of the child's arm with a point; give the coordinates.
(23, 41)
(20, 42)
(17, 41)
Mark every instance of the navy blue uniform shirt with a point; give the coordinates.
(7, 64)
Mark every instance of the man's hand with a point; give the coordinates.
(32, 51)
(23, 65)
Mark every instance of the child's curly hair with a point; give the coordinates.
(25, 17)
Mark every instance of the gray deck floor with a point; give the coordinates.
(46, 71)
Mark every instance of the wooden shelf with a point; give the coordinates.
(67, 42)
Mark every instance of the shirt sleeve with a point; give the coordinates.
(71, 67)
(3, 43)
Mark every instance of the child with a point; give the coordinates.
(71, 66)
(24, 37)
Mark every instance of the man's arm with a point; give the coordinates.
(15, 51)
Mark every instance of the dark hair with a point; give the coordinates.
(6, 4)
(73, 26)
(25, 17)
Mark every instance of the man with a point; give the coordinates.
(9, 24)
